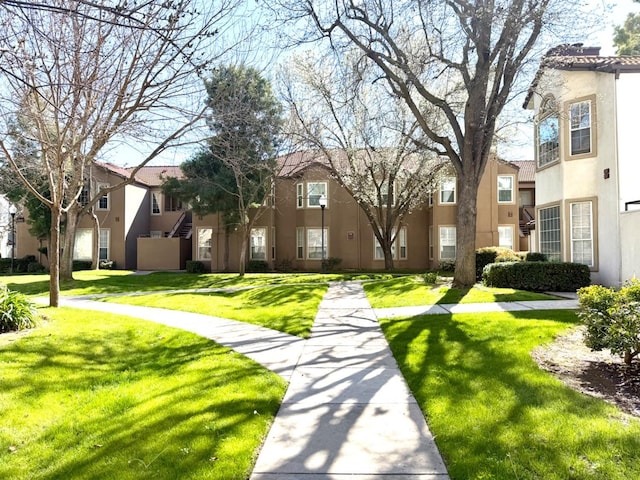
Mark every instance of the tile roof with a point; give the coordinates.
(579, 58)
(527, 171)
(153, 175)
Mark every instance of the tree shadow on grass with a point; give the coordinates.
(131, 400)
(494, 413)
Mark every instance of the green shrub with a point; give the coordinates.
(257, 266)
(447, 265)
(535, 257)
(35, 267)
(16, 312)
(537, 276)
(81, 265)
(331, 263)
(193, 266)
(430, 278)
(487, 255)
(612, 318)
(20, 265)
(285, 265)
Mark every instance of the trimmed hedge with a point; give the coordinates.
(193, 266)
(257, 266)
(21, 265)
(487, 255)
(537, 276)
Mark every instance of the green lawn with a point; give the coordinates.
(93, 395)
(92, 282)
(412, 291)
(288, 308)
(495, 414)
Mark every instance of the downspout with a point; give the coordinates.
(617, 176)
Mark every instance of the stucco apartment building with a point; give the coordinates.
(289, 234)
(587, 170)
(141, 228)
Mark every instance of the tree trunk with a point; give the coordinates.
(465, 271)
(628, 357)
(243, 256)
(54, 257)
(66, 262)
(388, 256)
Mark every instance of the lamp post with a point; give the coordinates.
(323, 203)
(12, 212)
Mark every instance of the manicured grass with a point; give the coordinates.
(91, 395)
(412, 291)
(88, 282)
(289, 308)
(495, 414)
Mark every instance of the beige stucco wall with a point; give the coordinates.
(629, 230)
(163, 253)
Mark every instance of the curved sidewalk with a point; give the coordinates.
(347, 413)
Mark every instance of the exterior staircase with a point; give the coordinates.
(183, 227)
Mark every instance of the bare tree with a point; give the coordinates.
(455, 59)
(86, 76)
(372, 144)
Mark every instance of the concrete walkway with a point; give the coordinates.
(347, 413)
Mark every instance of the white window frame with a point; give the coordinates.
(400, 240)
(106, 197)
(300, 195)
(506, 232)
(104, 244)
(314, 243)
(576, 125)
(313, 197)
(511, 189)
(447, 238)
(384, 197)
(258, 244)
(83, 244)
(448, 181)
(300, 243)
(156, 201)
(582, 239)
(550, 234)
(548, 134)
(204, 250)
(273, 243)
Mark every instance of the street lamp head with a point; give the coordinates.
(12, 209)
(323, 201)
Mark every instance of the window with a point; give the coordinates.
(400, 240)
(549, 220)
(300, 243)
(83, 246)
(204, 243)
(155, 234)
(258, 244)
(155, 203)
(172, 204)
(103, 203)
(448, 190)
(83, 199)
(580, 122)
(548, 134)
(300, 195)
(430, 200)
(385, 191)
(315, 238)
(582, 233)
(315, 190)
(103, 244)
(505, 188)
(505, 236)
(447, 243)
